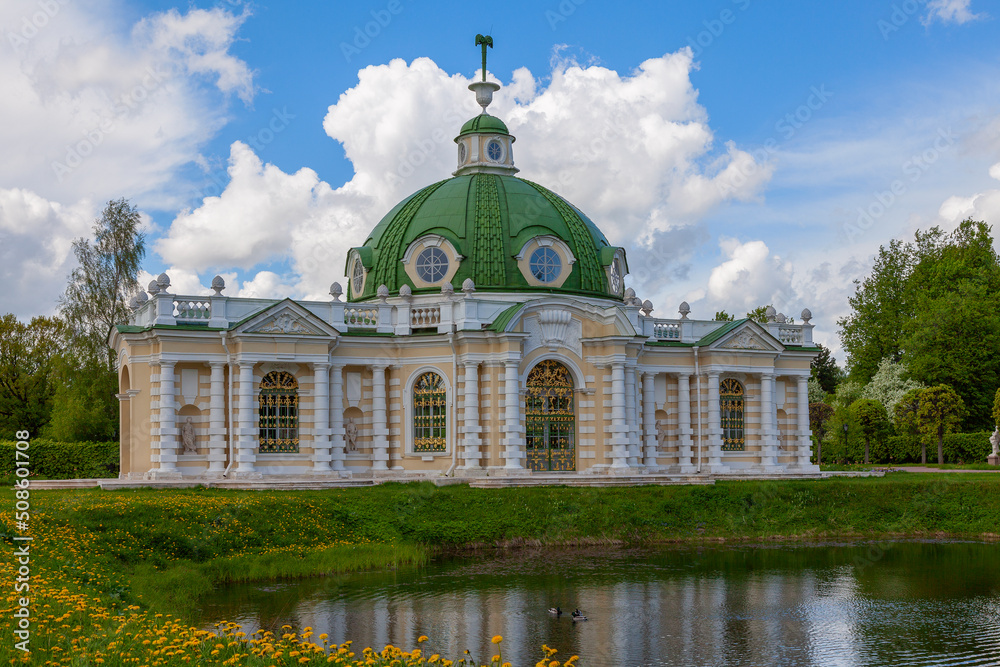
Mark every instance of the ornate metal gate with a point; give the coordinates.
(550, 426)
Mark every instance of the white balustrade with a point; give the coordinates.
(362, 318)
(185, 310)
(428, 316)
(790, 335)
(667, 330)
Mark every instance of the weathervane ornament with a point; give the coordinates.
(484, 89)
(484, 41)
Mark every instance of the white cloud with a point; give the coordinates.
(635, 153)
(951, 11)
(267, 215)
(36, 253)
(93, 113)
(199, 41)
(750, 277)
(983, 206)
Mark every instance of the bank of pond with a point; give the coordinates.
(146, 574)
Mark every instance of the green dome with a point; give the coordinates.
(484, 123)
(488, 218)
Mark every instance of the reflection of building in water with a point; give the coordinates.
(799, 617)
(487, 331)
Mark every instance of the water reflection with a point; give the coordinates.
(904, 604)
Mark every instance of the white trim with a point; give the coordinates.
(353, 261)
(559, 246)
(419, 245)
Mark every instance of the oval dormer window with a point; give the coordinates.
(616, 277)
(462, 153)
(494, 150)
(357, 277)
(432, 264)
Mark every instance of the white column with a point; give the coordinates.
(634, 451)
(714, 423)
(619, 427)
(649, 418)
(802, 407)
(380, 431)
(338, 445)
(217, 419)
(470, 422)
(684, 431)
(768, 433)
(249, 440)
(321, 418)
(168, 419)
(513, 441)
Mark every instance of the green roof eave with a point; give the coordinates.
(130, 328)
(503, 319)
(368, 332)
(710, 338)
(668, 343)
(802, 348)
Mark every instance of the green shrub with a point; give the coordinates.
(967, 447)
(901, 449)
(50, 459)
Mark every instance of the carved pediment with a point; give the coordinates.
(286, 323)
(286, 318)
(746, 340)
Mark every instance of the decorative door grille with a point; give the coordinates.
(550, 425)
(731, 400)
(430, 416)
(279, 413)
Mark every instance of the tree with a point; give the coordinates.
(887, 386)
(872, 419)
(953, 340)
(758, 314)
(723, 316)
(96, 298)
(28, 358)
(880, 307)
(905, 418)
(95, 301)
(825, 370)
(935, 304)
(819, 416)
(816, 393)
(940, 412)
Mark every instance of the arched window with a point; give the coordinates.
(731, 395)
(278, 420)
(430, 417)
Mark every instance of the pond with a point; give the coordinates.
(897, 603)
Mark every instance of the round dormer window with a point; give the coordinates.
(494, 150)
(462, 153)
(432, 264)
(545, 265)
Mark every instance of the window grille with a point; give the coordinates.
(278, 417)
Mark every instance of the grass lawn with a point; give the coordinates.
(114, 573)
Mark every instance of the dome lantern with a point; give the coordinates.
(484, 143)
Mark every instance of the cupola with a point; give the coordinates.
(484, 143)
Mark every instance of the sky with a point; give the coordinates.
(744, 153)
